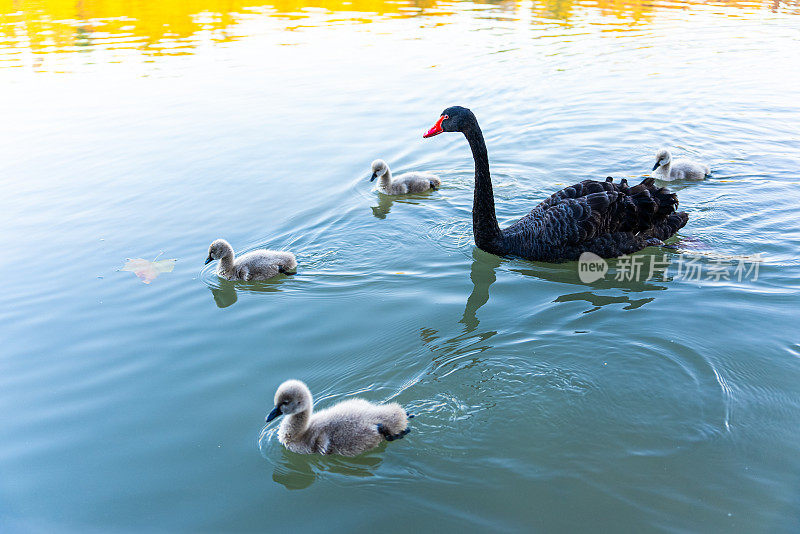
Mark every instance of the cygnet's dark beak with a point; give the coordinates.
(374, 175)
(656, 165)
(208, 260)
(274, 413)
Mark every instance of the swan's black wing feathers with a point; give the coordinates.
(591, 214)
(590, 209)
(573, 220)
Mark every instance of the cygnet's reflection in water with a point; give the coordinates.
(299, 471)
(385, 202)
(225, 294)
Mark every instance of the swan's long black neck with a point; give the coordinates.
(484, 221)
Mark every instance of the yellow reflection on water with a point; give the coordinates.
(173, 27)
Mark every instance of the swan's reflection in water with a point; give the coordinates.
(601, 300)
(226, 292)
(462, 351)
(385, 202)
(474, 367)
(299, 471)
(597, 294)
(483, 273)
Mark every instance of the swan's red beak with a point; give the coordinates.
(437, 128)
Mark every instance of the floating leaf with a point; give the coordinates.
(148, 270)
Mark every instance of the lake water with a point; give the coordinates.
(133, 129)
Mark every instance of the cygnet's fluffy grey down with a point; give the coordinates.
(412, 182)
(348, 428)
(256, 265)
(680, 169)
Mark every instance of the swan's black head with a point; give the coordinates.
(453, 119)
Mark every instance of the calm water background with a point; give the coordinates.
(131, 129)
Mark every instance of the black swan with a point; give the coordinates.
(605, 218)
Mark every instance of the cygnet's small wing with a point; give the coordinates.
(419, 181)
(350, 426)
(262, 264)
(688, 169)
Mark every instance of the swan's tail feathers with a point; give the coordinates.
(644, 209)
(601, 200)
(582, 189)
(669, 226)
(667, 202)
(666, 199)
(646, 186)
(653, 205)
